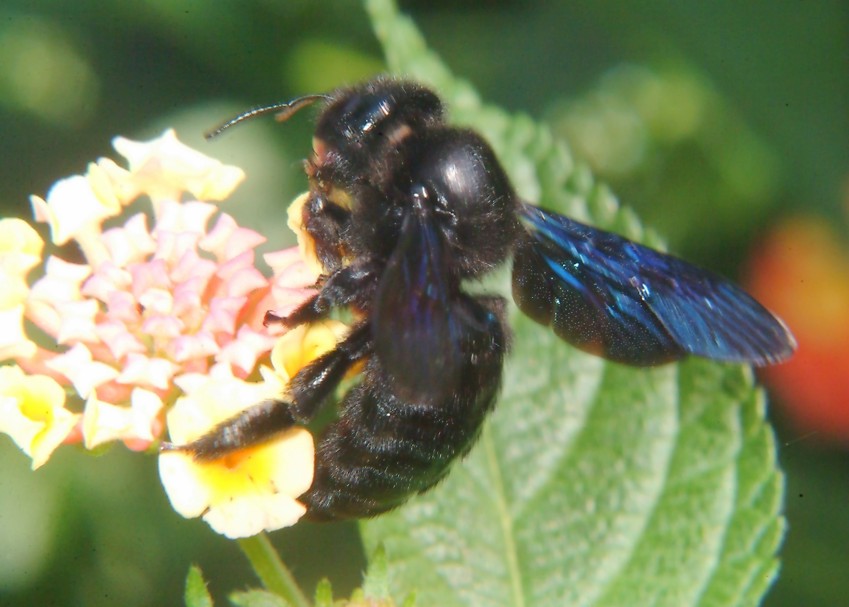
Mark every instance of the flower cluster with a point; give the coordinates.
(155, 327)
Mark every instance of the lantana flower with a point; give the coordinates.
(245, 491)
(159, 327)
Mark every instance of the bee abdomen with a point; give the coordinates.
(383, 450)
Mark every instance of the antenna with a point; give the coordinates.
(284, 111)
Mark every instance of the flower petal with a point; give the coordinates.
(119, 339)
(186, 490)
(227, 240)
(20, 247)
(244, 351)
(84, 373)
(77, 321)
(183, 217)
(130, 243)
(104, 422)
(164, 168)
(147, 371)
(244, 492)
(72, 209)
(303, 344)
(13, 340)
(290, 269)
(62, 281)
(32, 412)
(239, 276)
(254, 514)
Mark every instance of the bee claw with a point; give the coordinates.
(272, 318)
(165, 446)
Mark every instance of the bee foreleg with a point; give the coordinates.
(352, 285)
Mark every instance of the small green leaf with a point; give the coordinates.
(410, 601)
(258, 598)
(324, 594)
(376, 582)
(196, 594)
(593, 483)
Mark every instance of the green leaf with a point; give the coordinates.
(196, 594)
(593, 483)
(376, 582)
(257, 598)
(323, 594)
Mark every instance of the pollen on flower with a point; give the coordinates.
(306, 243)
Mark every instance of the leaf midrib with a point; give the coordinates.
(505, 520)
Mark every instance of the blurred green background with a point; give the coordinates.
(713, 120)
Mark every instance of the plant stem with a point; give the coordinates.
(271, 570)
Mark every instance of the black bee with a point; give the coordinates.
(403, 209)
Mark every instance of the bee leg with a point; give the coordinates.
(352, 285)
(306, 392)
(313, 384)
(252, 426)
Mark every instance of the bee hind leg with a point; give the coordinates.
(305, 394)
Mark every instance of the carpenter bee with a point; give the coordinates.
(403, 208)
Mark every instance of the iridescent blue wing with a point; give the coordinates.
(626, 302)
(417, 336)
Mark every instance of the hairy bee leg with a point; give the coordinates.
(353, 285)
(249, 427)
(311, 386)
(306, 392)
